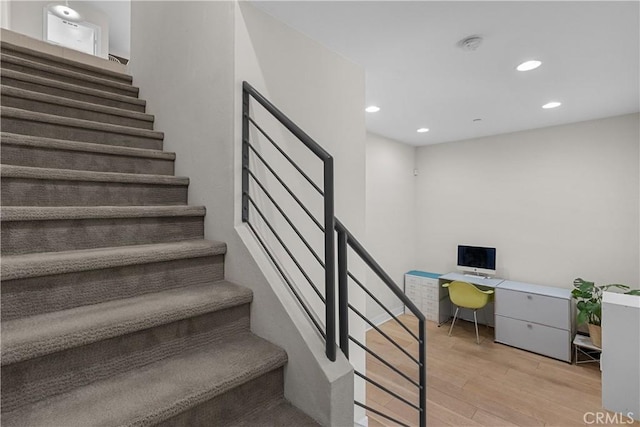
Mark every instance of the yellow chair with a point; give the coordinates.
(466, 295)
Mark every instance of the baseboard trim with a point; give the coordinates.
(362, 422)
(378, 320)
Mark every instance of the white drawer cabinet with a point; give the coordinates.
(534, 337)
(424, 292)
(535, 318)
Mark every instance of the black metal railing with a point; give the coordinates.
(248, 92)
(345, 240)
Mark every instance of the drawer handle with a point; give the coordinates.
(529, 325)
(529, 297)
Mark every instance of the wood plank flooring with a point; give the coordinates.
(472, 385)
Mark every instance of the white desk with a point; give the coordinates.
(532, 317)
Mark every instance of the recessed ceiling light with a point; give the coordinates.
(422, 130)
(529, 65)
(64, 11)
(553, 104)
(372, 109)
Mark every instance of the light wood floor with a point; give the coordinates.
(488, 384)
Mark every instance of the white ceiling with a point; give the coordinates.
(419, 78)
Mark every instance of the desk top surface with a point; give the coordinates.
(489, 283)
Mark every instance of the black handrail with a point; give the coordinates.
(345, 240)
(286, 122)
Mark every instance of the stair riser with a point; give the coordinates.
(76, 113)
(133, 92)
(70, 67)
(37, 295)
(22, 237)
(36, 87)
(255, 395)
(78, 160)
(37, 192)
(29, 381)
(59, 131)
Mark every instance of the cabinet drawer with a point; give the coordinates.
(431, 294)
(535, 308)
(411, 280)
(533, 337)
(429, 282)
(429, 306)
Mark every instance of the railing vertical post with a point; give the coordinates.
(329, 260)
(245, 154)
(343, 293)
(423, 373)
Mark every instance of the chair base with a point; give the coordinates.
(475, 322)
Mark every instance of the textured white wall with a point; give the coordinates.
(391, 216)
(557, 203)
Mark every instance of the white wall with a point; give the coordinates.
(323, 94)
(26, 17)
(557, 203)
(5, 14)
(189, 59)
(391, 216)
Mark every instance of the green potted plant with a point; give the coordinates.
(589, 305)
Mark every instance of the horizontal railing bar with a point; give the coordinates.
(375, 411)
(295, 293)
(286, 122)
(386, 390)
(368, 292)
(363, 317)
(387, 364)
(295, 229)
(286, 156)
(373, 265)
(284, 246)
(286, 187)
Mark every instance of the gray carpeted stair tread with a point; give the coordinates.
(40, 151)
(34, 229)
(78, 78)
(26, 172)
(283, 414)
(159, 391)
(35, 55)
(51, 263)
(67, 102)
(37, 213)
(67, 89)
(79, 123)
(63, 144)
(35, 336)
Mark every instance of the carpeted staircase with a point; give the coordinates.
(115, 311)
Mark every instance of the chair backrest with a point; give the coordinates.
(466, 295)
